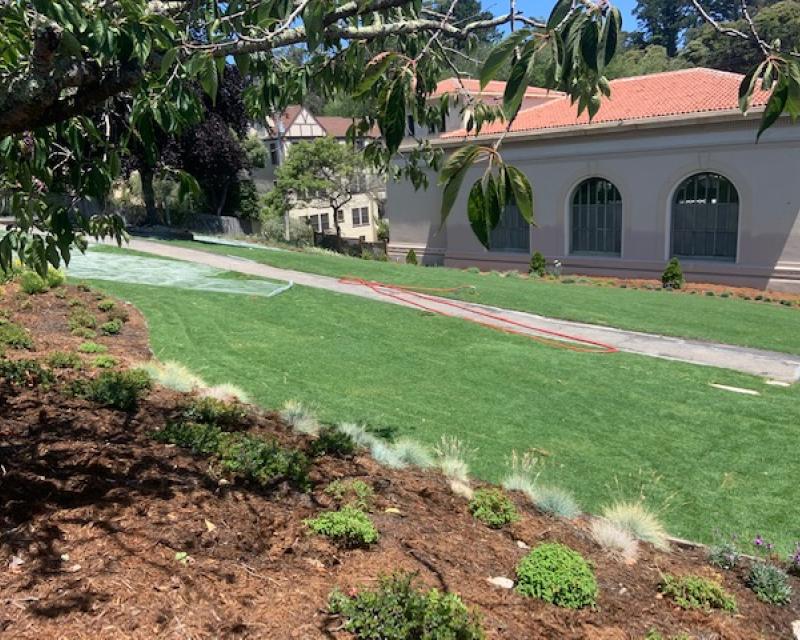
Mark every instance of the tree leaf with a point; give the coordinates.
(209, 80)
(375, 70)
(747, 86)
(523, 193)
(452, 183)
(454, 164)
(499, 54)
(491, 198)
(558, 13)
(393, 123)
(476, 213)
(168, 60)
(775, 106)
(70, 44)
(612, 26)
(589, 38)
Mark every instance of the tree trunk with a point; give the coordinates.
(149, 196)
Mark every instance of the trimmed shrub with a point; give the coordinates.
(356, 493)
(613, 538)
(118, 389)
(80, 318)
(348, 526)
(92, 347)
(396, 610)
(493, 508)
(555, 501)
(769, 583)
(32, 283)
(13, 335)
(333, 442)
(106, 305)
(411, 257)
(118, 313)
(557, 574)
(55, 278)
(211, 411)
(695, 592)
(538, 265)
(27, 373)
(64, 360)
(672, 277)
(105, 362)
(112, 327)
(635, 518)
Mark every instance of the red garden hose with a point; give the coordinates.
(412, 295)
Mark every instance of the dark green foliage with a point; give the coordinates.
(695, 592)
(493, 508)
(555, 573)
(332, 441)
(256, 459)
(13, 335)
(396, 610)
(349, 526)
(118, 389)
(538, 265)
(411, 257)
(112, 327)
(81, 319)
(216, 412)
(32, 283)
(107, 304)
(28, 373)
(769, 583)
(672, 278)
(64, 360)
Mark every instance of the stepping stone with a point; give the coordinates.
(796, 629)
(500, 581)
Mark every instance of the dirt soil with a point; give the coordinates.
(93, 512)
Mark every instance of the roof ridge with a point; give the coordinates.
(672, 72)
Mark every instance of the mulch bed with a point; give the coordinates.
(93, 512)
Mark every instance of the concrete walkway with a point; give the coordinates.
(772, 365)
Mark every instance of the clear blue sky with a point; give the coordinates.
(542, 8)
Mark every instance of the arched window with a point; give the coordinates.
(705, 218)
(596, 225)
(512, 233)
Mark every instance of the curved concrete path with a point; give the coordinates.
(769, 364)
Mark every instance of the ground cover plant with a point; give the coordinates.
(557, 574)
(118, 389)
(14, 336)
(769, 583)
(349, 526)
(732, 321)
(585, 409)
(697, 592)
(493, 508)
(398, 610)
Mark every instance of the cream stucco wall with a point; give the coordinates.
(646, 164)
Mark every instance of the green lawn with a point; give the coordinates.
(729, 320)
(614, 425)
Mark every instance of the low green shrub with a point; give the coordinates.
(411, 257)
(356, 493)
(348, 526)
(493, 508)
(112, 327)
(118, 313)
(538, 265)
(724, 555)
(75, 302)
(83, 332)
(212, 411)
(118, 389)
(769, 583)
(695, 592)
(25, 373)
(672, 277)
(397, 610)
(557, 574)
(205, 439)
(32, 283)
(92, 347)
(64, 360)
(106, 305)
(60, 293)
(105, 362)
(80, 318)
(55, 278)
(332, 441)
(13, 335)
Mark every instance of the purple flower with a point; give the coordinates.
(759, 541)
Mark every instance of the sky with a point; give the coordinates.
(542, 8)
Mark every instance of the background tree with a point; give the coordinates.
(322, 170)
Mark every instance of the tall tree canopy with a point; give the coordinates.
(62, 62)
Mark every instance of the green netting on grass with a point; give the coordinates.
(135, 269)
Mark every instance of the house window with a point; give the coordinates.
(326, 222)
(274, 157)
(314, 222)
(512, 233)
(360, 216)
(705, 218)
(596, 226)
(339, 215)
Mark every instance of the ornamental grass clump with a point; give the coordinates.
(359, 433)
(349, 526)
(172, 375)
(225, 392)
(301, 419)
(556, 501)
(493, 508)
(639, 521)
(557, 574)
(397, 610)
(413, 453)
(617, 541)
(696, 592)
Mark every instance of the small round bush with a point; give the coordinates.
(411, 257)
(493, 508)
(112, 327)
(213, 411)
(538, 265)
(32, 283)
(92, 347)
(672, 278)
(107, 304)
(333, 442)
(55, 278)
(105, 362)
(557, 574)
(349, 526)
(769, 583)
